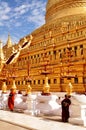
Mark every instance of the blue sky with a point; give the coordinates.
(20, 17)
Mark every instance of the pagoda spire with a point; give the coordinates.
(1, 56)
(1, 51)
(9, 42)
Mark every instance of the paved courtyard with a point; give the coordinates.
(21, 121)
(5, 125)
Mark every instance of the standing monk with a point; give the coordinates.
(65, 108)
(11, 99)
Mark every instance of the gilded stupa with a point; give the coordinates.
(57, 9)
(63, 40)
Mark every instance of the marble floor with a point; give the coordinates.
(36, 123)
(9, 126)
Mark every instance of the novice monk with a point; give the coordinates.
(11, 99)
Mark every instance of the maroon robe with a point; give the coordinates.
(65, 108)
(11, 100)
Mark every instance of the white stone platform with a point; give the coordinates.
(39, 105)
(37, 123)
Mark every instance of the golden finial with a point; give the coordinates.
(28, 90)
(46, 88)
(14, 86)
(69, 89)
(4, 87)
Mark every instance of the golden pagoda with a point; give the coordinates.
(9, 42)
(65, 24)
(2, 60)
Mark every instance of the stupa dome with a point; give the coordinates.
(62, 8)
